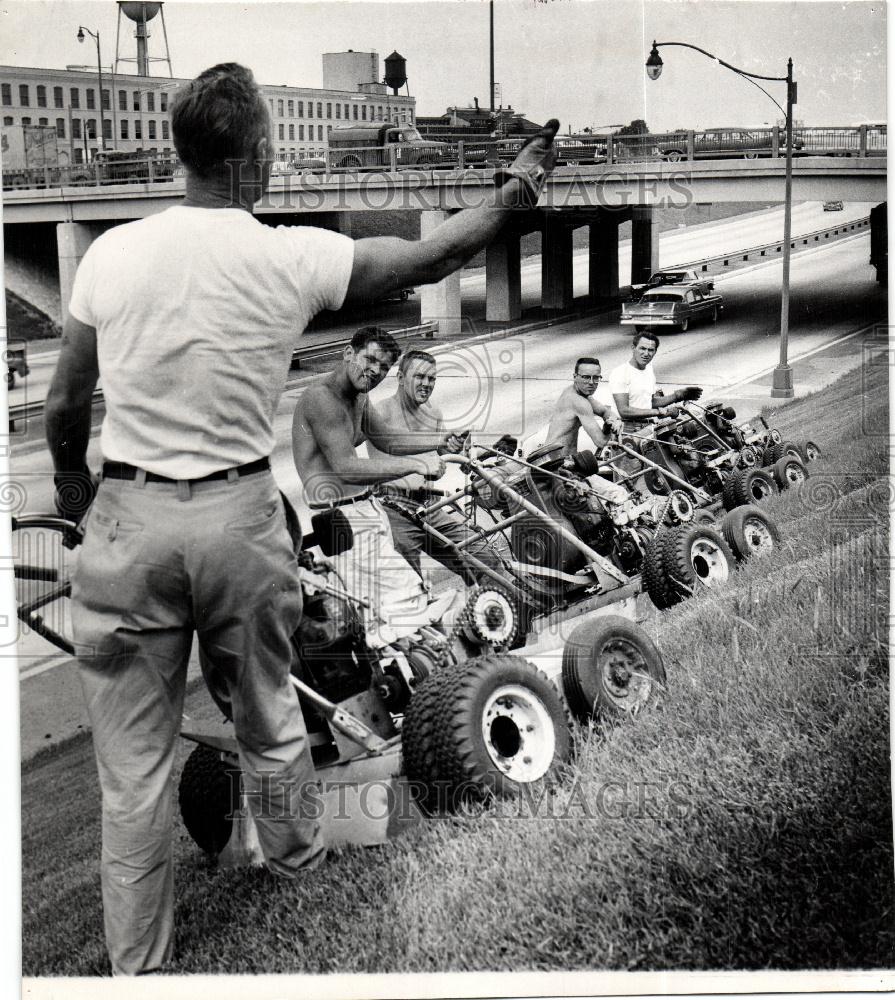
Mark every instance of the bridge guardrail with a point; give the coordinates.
(487, 152)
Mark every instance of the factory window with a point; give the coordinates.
(363, 112)
(292, 133)
(24, 99)
(310, 109)
(107, 103)
(76, 128)
(291, 107)
(320, 133)
(75, 95)
(329, 110)
(26, 121)
(355, 112)
(41, 96)
(150, 102)
(107, 128)
(279, 109)
(152, 136)
(301, 133)
(281, 132)
(338, 111)
(122, 100)
(90, 128)
(165, 130)
(138, 129)
(301, 109)
(163, 102)
(124, 134)
(320, 109)
(60, 128)
(91, 99)
(79, 153)
(7, 95)
(7, 120)
(43, 121)
(136, 100)
(329, 129)
(57, 98)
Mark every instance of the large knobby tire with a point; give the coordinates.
(745, 486)
(749, 532)
(771, 453)
(655, 580)
(693, 555)
(810, 451)
(208, 797)
(610, 667)
(503, 727)
(789, 471)
(419, 737)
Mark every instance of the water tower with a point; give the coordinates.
(395, 72)
(141, 14)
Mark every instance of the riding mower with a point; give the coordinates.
(444, 715)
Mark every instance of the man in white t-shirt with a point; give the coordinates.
(633, 386)
(190, 317)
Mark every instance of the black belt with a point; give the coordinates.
(419, 494)
(330, 504)
(121, 470)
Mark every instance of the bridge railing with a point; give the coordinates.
(488, 153)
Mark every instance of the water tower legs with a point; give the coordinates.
(440, 301)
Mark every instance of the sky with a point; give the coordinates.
(581, 61)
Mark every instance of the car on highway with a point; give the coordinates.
(676, 276)
(832, 206)
(674, 306)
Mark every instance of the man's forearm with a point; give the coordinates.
(369, 471)
(462, 236)
(68, 434)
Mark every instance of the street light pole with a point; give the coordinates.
(782, 385)
(99, 70)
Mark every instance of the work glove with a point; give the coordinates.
(74, 493)
(506, 444)
(692, 392)
(532, 164)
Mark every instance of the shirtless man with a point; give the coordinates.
(411, 413)
(576, 408)
(332, 418)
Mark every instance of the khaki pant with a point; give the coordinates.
(159, 562)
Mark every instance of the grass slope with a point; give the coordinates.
(744, 823)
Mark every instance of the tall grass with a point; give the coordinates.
(743, 823)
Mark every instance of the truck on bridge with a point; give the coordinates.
(382, 144)
(31, 156)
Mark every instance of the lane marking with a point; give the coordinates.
(50, 662)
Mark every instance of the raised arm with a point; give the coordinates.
(383, 263)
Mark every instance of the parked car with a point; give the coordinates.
(673, 306)
(721, 143)
(673, 277)
(832, 206)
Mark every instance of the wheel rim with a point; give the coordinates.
(673, 157)
(794, 474)
(708, 561)
(624, 675)
(812, 452)
(759, 489)
(748, 457)
(758, 536)
(518, 733)
(776, 436)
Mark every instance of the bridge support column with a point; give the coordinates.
(72, 241)
(644, 243)
(440, 301)
(503, 280)
(556, 264)
(603, 260)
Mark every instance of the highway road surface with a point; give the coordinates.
(509, 385)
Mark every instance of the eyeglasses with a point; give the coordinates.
(589, 378)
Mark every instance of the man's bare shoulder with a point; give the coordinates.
(572, 402)
(319, 398)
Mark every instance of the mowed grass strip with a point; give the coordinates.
(743, 823)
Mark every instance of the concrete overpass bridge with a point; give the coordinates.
(601, 197)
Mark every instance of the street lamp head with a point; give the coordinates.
(654, 64)
(80, 34)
